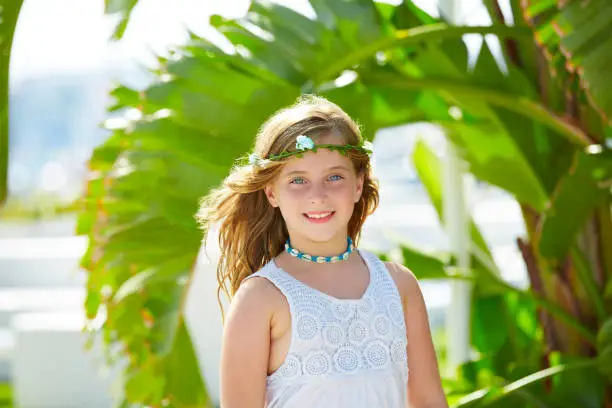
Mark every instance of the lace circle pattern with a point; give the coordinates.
(377, 354)
(347, 359)
(307, 326)
(382, 325)
(317, 364)
(291, 368)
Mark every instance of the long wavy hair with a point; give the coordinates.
(251, 231)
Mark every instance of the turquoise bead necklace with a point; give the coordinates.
(320, 259)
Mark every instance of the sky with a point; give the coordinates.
(72, 35)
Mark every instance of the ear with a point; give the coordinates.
(359, 186)
(271, 195)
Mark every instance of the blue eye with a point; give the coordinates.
(336, 177)
(297, 180)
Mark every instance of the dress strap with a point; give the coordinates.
(278, 279)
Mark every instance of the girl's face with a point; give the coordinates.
(316, 194)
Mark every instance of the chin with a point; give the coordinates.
(319, 233)
(321, 236)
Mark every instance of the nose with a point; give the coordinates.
(317, 193)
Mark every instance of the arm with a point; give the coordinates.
(246, 346)
(424, 384)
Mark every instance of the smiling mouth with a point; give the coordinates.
(319, 217)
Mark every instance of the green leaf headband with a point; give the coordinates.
(303, 144)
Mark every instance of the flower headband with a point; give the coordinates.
(303, 144)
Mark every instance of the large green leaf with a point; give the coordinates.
(123, 10)
(489, 283)
(493, 395)
(581, 31)
(425, 265)
(503, 325)
(539, 147)
(429, 170)
(9, 12)
(577, 195)
(146, 248)
(508, 138)
(519, 52)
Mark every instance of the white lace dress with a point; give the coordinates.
(344, 352)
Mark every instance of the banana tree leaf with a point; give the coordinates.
(581, 32)
(180, 387)
(9, 12)
(407, 15)
(143, 247)
(577, 195)
(262, 52)
(519, 52)
(527, 145)
(495, 158)
(122, 8)
(489, 328)
(460, 90)
(486, 273)
(504, 326)
(547, 155)
(485, 382)
(386, 107)
(425, 265)
(576, 388)
(493, 395)
(357, 22)
(497, 320)
(429, 170)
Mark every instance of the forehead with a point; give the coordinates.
(312, 162)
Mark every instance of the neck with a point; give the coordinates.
(332, 247)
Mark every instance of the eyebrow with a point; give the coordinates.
(329, 169)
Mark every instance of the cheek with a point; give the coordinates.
(344, 193)
(290, 196)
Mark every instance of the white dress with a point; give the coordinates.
(344, 353)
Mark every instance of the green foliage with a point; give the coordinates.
(581, 33)
(544, 164)
(123, 9)
(201, 115)
(6, 396)
(9, 12)
(40, 206)
(575, 198)
(205, 108)
(604, 347)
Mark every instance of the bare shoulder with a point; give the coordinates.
(256, 295)
(404, 279)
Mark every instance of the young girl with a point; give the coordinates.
(314, 321)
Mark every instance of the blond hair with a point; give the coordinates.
(251, 231)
